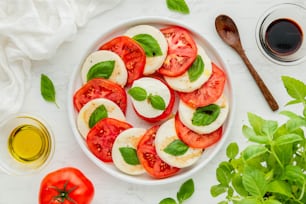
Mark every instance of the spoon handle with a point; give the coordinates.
(264, 89)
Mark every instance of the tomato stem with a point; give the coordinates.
(63, 193)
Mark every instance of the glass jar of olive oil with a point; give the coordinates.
(26, 144)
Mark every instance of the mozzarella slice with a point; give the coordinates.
(165, 135)
(155, 87)
(186, 113)
(119, 74)
(113, 111)
(127, 139)
(155, 62)
(182, 83)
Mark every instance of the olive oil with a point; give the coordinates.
(28, 143)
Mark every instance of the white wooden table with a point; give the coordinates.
(109, 190)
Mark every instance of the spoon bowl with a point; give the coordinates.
(228, 32)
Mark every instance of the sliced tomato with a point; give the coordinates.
(193, 139)
(100, 88)
(101, 137)
(150, 160)
(209, 92)
(166, 112)
(131, 53)
(182, 51)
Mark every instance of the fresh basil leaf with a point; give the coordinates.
(129, 155)
(294, 173)
(99, 113)
(252, 136)
(256, 123)
(196, 69)
(217, 190)
(176, 148)
(178, 6)
(157, 102)
(224, 176)
(254, 181)
(206, 115)
(253, 151)
(167, 201)
(280, 187)
(186, 190)
(149, 44)
(288, 139)
(47, 89)
(102, 69)
(295, 88)
(138, 93)
(232, 150)
(238, 185)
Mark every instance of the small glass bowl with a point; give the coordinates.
(287, 11)
(26, 144)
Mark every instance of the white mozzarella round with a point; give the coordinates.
(127, 139)
(155, 62)
(182, 83)
(119, 74)
(165, 135)
(155, 87)
(186, 113)
(113, 111)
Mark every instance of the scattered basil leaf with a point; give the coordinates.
(206, 115)
(99, 113)
(167, 201)
(157, 102)
(47, 89)
(178, 6)
(102, 69)
(196, 69)
(295, 88)
(138, 93)
(176, 148)
(232, 150)
(129, 155)
(186, 191)
(149, 44)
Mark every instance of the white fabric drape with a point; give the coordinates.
(33, 30)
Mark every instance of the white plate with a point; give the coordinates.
(145, 179)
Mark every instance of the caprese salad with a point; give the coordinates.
(172, 85)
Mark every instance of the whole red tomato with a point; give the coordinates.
(66, 186)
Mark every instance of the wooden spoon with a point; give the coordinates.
(228, 32)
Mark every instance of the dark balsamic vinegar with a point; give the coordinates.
(284, 37)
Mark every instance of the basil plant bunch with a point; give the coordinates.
(271, 169)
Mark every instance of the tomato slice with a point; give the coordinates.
(66, 185)
(193, 139)
(182, 51)
(150, 160)
(210, 91)
(101, 137)
(131, 53)
(100, 88)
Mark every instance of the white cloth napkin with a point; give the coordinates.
(33, 30)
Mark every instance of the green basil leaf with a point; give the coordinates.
(157, 102)
(176, 148)
(102, 69)
(186, 190)
(217, 190)
(254, 181)
(223, 175)
(252, 136)
(98, 114)
(206, 115)
(295, 88)
(178, 6)
(232, 150)
(129, 155)
(196, 69)
(253, 151)
(149, 44)
(167, 201)
(288, 139)
(238, 185)
(47, 89)
(138, 93)
(281, 187)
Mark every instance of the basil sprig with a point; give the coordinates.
(206, 115)
(196, 69)
(98, 114)
(140, 94)
(47, 89)
(129, 155)
(179, 6)
(149, 44)
(176, 148)
(102, 69)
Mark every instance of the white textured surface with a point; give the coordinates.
(109, 190)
